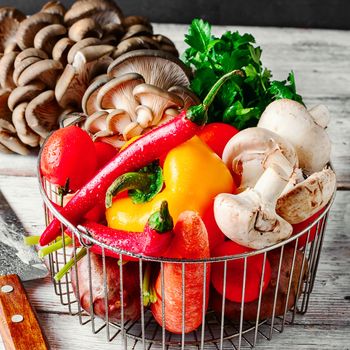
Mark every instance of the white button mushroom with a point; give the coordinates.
(251, 151)
(304, 130)
(250, 218)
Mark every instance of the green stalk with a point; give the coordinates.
(53, 247)
(148, 292)
(31, 240)
(82, 252)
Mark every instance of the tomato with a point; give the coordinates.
(104, 153)
(303, 225)
(235, 271)
(216, 136)
(68, 154)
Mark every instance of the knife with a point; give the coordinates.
(19, 326)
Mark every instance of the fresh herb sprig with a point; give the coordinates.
(242, 100)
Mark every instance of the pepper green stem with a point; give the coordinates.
(161, 220)
(31, 240)
(82, 252)
(148, 292)
(199, 114)
(128, 181)
(53, 247)
(142, 185)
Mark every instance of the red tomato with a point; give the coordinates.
(104, 153)
(216, 136)
(69, 153)
(235, 271)
(303, 225)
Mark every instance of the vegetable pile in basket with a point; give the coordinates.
(146, 174)
(49, 59)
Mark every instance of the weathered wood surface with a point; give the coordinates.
(320, 60)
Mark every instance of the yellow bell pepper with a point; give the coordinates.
(193, 175)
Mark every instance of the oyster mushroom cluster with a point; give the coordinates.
(50, 58)
(142, 89)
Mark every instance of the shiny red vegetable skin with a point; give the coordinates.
(104, 153)
(68, 154)
(149, 242)
(235, 271)
(138, 154)
(191, 242)
(216, 136)
(144, 150)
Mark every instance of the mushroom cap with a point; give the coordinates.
(89, 99)
(24, 94)
(307, 197)
(5, 112)
(292, 121)
(24, 133)
(42, 113)
(31, 52)
(46, 71)
(61, 49)
(109, 21)
(189, 98)
(137, 29)
(134, 43)
(24, 64)
(31, 25)
(91, 53)
(86, 8)
(132, 20)
(85, 28)
(47, 37)
(157, 100)
(6, 70)
(157, 68)
(12, 143)
(10, 19)
(247, 152)
(96, 122)
(54, 7)
(118, 93)
(80, 45)
(70, 117)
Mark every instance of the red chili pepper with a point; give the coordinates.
(140, 153)
(153, 241)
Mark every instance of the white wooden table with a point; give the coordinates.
(321, 62)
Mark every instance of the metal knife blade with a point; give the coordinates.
(15, 256)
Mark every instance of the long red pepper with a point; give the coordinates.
(153, 241)
(140, 153)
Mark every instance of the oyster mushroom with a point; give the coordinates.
(89, 99)
(24, 133)
(87, 8)
(12, 143)
(189, 98)
(132, 20)
(29, 53)
(24, 94)
(31, 25)
(47, 37)
(10, 18)
(249, 218)
(88, 62)
(157, 101)
(42, 113)
(54, 7)
(61, 49)
(84, 28)
(252, 150)
(46, 71)
(6, 70)
(80, 45)
(307, 197)
(24, 64)
(137, 29)
(134, 43)
(118, 94)
(304, 130)
(157, 68)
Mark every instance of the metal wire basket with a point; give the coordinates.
(220, 327)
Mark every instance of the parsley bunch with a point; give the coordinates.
(242, 99)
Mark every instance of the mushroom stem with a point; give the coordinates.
(320, 115)
(271, 183)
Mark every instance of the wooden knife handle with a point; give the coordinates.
(19, 326)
